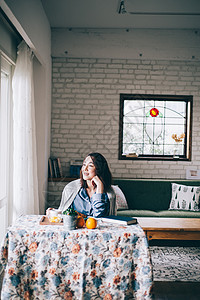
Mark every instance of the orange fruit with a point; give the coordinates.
(91, 223)
(80, 222)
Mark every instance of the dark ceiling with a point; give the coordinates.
(159, 14)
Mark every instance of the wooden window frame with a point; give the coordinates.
(188, 138)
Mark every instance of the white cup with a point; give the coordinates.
(54, 213)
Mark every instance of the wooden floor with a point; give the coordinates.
(165, 290)
(1, 279)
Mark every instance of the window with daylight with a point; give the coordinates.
(155, 127)
(5, 99)
(8, 52)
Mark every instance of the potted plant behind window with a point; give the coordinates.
(69, 218)
(177, 140)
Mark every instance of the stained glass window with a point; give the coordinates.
(155, 127)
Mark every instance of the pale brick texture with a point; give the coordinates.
(85, 110)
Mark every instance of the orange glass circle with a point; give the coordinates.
(154, 112)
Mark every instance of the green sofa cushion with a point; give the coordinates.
(162, 213)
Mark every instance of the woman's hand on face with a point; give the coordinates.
(96, 181)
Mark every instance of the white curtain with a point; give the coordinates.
(25, 181)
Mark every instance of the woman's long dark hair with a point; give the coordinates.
(102, 170)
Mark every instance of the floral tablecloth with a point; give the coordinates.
(49, 262)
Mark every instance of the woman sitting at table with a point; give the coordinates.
(92, 194)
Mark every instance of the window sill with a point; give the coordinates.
(156, 158)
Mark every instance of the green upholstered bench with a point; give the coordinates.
(151, 198)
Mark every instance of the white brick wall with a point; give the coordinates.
(85, 109)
